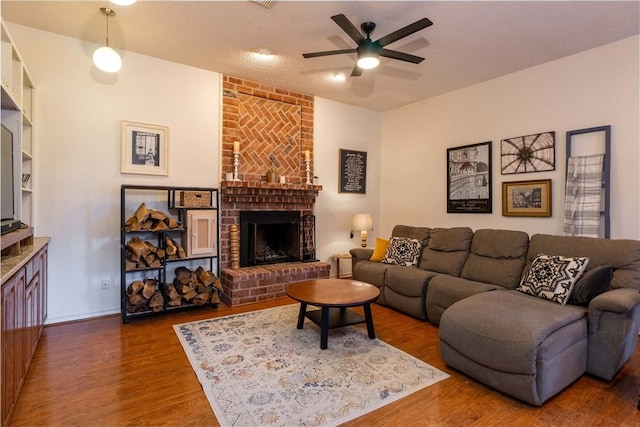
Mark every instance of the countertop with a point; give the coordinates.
(11, 265)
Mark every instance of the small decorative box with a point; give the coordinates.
(195, 199)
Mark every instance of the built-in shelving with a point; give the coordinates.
(17, 100)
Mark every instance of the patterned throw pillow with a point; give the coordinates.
(403, 251)
(552, 277)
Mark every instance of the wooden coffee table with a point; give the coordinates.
(334, 296)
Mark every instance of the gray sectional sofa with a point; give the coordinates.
(525, 346)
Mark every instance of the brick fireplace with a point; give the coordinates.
(273, 127)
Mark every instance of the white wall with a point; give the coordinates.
(77, 178)
(594, 88)
(337, 126)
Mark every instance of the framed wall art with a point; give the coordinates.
(529, 153)
(526, 198)
(469, 178)
(144, 149)
(353, 172)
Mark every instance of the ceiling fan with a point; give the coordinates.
(369, 51)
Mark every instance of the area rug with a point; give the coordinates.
(257, 369)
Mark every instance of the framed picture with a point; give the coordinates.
(530, 153)
(526, 198)
(469, 178)
(145, 149)
(353, 172)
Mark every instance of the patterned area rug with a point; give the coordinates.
(257, 369)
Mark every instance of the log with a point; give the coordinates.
(149, 288)
(159, 226)
(157, 215)
(205, 277)
(141, 213)
(189, 295)
(202, 298)
(136, 300)
(172, 223)
(135, 287)
(138, 246)
(130, 265)
(171, 247)
(215, 298)
(156, 302)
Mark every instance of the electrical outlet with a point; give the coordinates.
(105, 285)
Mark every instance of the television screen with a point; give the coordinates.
(7, 184)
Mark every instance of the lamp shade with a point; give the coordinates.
(107, 59)
(362, 222)
(368, 56)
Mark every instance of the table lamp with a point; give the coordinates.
(362, 223)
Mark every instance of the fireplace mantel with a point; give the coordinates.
(235, 187)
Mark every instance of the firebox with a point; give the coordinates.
(269, 237)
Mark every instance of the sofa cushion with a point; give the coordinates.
(447, 250)
(419, 233)
(370, 272)
(411, 282)
(622, 255)
(552, 277)
(496, 257)
(380, 250)
(590, 285)
(403, 251)
(445, 290)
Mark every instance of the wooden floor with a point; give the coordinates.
(101, 372)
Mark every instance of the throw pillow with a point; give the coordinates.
(403, 251)
(553, 277)
(591, 284)
(380, 250)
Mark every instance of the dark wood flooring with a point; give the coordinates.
(102, 372)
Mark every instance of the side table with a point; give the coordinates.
(337, 258)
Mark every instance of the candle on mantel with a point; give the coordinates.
(236, 146)
(307, 155)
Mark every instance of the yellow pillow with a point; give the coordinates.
(380, 250)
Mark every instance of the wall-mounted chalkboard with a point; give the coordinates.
(353, 171)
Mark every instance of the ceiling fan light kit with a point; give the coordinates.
(368, 51)
(105, 58)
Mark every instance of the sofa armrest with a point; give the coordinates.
(614, 322)
(359, 254)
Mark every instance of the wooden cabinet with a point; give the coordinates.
(202, 234)
(24, 310)
(196, 235)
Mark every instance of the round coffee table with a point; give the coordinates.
(334, 296)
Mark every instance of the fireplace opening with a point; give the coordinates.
(269, 237)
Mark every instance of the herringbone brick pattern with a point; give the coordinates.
(269, 134)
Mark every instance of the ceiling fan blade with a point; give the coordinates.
(357, 71)
(348, 28)
(328, 52)
(404, 32)
(401, 56)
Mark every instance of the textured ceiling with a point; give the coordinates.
(470, 42)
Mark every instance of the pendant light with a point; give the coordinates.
(105, 58)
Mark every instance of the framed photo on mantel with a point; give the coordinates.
(353, 172)
(469, 178)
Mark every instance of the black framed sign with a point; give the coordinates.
(353, 171)
(469, 178)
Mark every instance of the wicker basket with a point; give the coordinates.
(195, 199)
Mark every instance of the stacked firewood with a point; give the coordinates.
(194, 287)
(143, 295)
(150, 220)
(141, 254)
